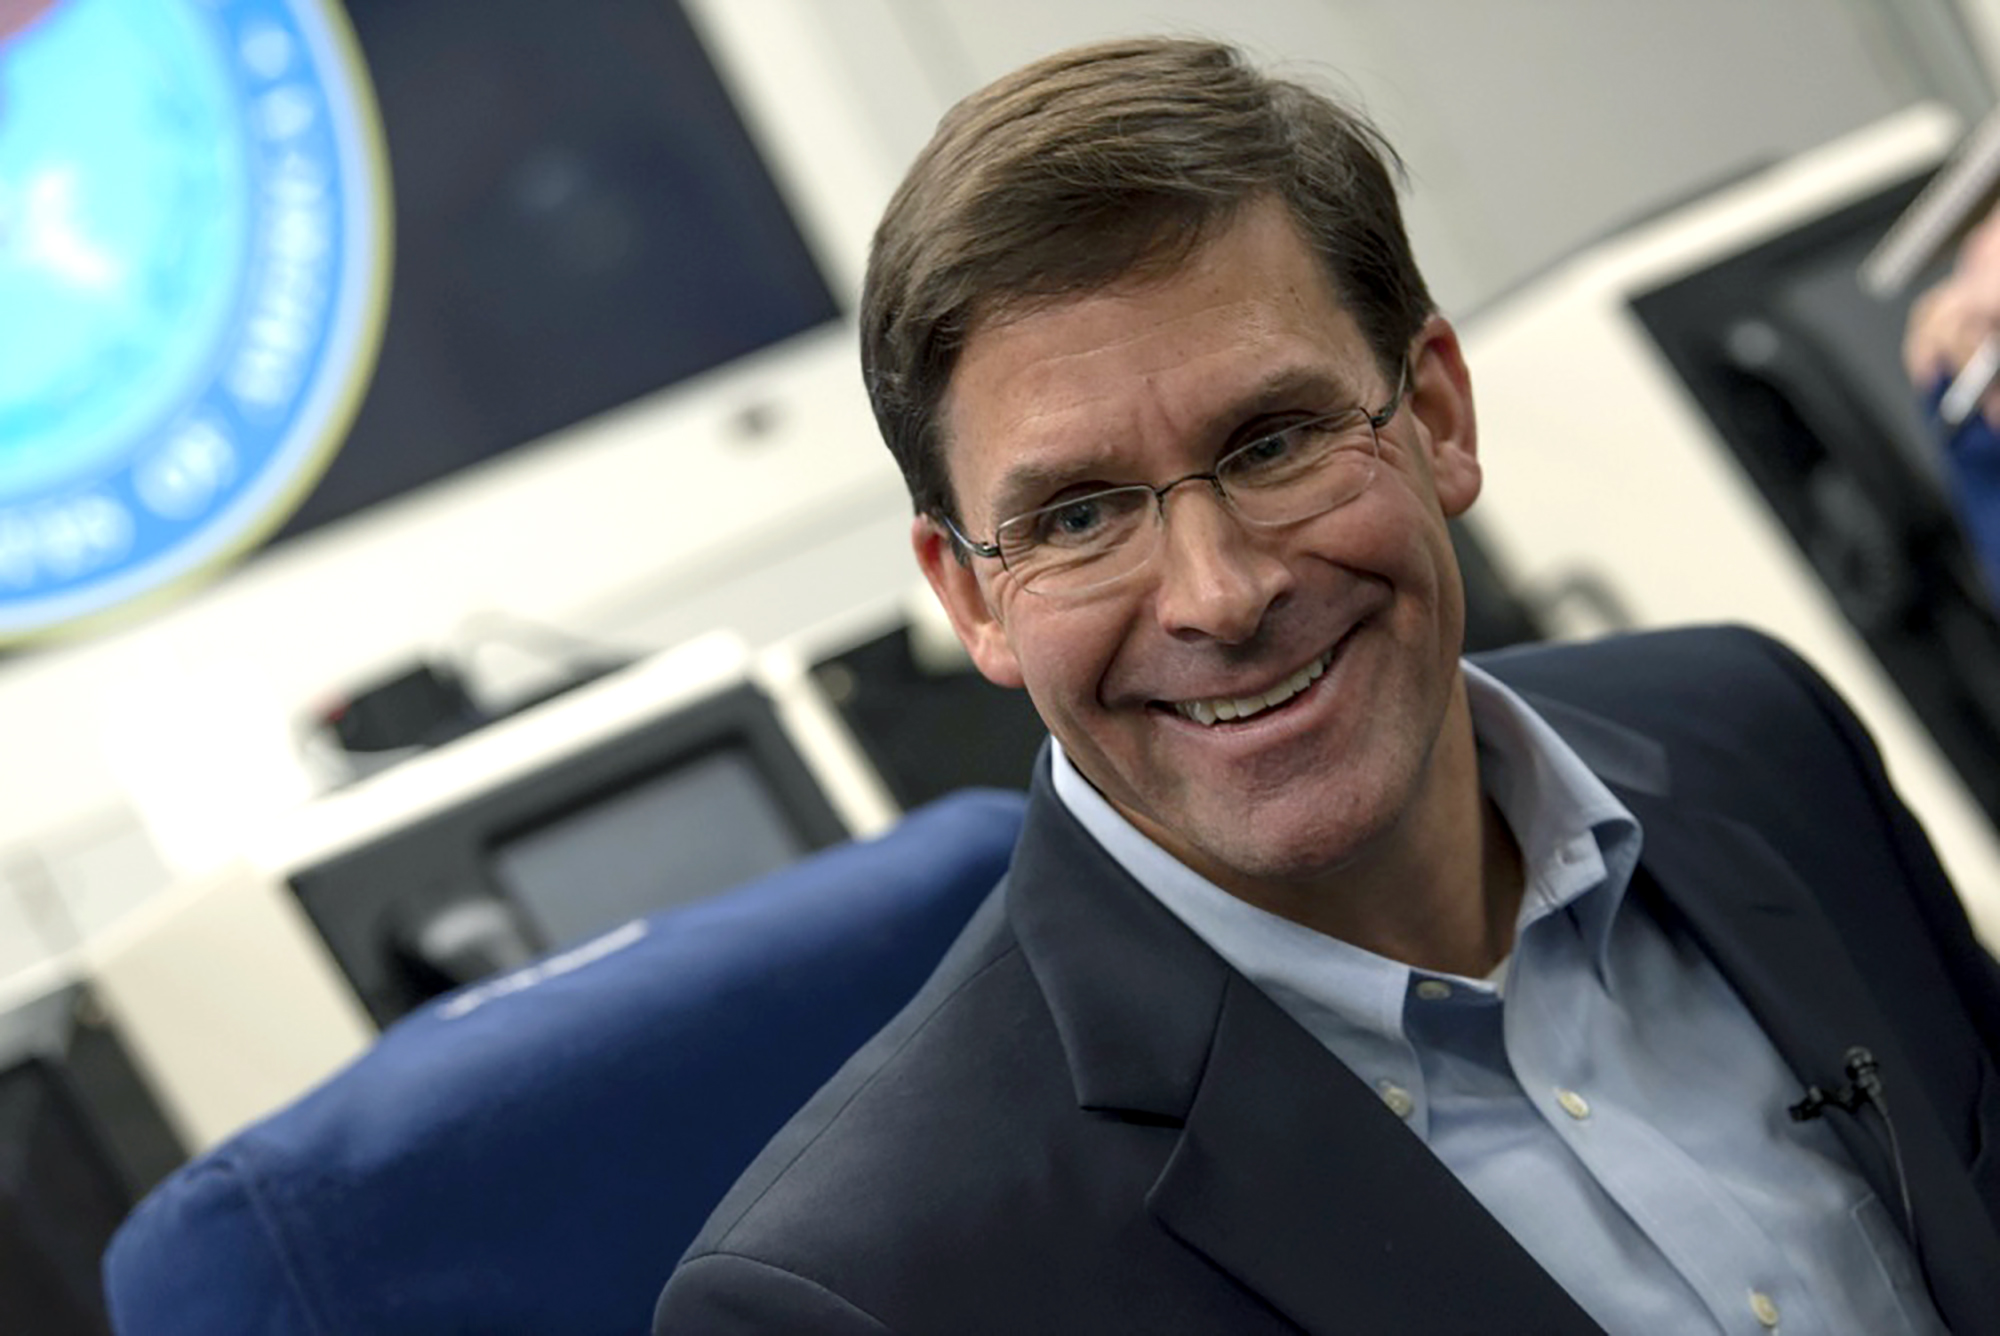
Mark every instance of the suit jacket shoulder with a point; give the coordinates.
(1773, 834)
(1725, 721)
(947, 1181)
(1088, 1122)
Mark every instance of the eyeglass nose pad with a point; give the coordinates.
(1208, 539)
(1215, 490)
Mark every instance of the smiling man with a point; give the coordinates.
(1350, 802)
(1338, 984)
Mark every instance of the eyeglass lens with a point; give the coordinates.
(1285, 477)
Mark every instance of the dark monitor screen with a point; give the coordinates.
(1861, 338)
(677, 808)
(581, 218)
(81, 1140)
(60, 1200)
(1800, 373)
(709, 823)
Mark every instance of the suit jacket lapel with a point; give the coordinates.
(1293, 1177)
(1758, 922)
(1764, 930)
(1289, 1174)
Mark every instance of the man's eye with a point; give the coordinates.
(1290, 451)
(1278, 451)
(1071, 522)
(1085, 525)
(1272, 448)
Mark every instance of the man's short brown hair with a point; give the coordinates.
(1107, 162)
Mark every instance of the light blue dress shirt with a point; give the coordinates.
(1605, 1095)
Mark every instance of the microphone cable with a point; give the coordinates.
(1864, 1086)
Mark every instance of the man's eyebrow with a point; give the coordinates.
(1024, 485)
(1326, 389)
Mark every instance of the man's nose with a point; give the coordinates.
(1216, 578)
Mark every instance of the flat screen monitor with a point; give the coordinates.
(1800, 373)
(581, 218)
(59, 1203)
(81, 1140)
(713, 818)
(671, 811)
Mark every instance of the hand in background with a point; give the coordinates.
(1949, 322)
(1949, 325)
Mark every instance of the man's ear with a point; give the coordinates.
(1440, 401)
(957, 587)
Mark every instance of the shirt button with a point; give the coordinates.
(1573, 1104)
(1398, 1099)
(1764, 1309)
(1434, 990)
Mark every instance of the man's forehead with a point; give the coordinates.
(1255, 279)
(1043, 399)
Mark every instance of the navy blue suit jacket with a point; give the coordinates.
(1087, 1122)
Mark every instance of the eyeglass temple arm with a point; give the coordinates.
(1381, 419)
(972, 545)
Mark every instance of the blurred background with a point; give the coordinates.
(434, 474)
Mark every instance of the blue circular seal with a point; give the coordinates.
(194, 264)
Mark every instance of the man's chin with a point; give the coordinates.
(1261, 860)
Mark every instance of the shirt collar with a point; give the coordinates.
(1574, 834)
(1579, 845)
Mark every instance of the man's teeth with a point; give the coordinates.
(1212, 711)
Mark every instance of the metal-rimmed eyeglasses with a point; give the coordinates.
(1086, 543)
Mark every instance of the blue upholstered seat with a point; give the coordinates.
(534, 1153)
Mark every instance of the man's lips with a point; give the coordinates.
(1213, 711)
(1224, 709)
